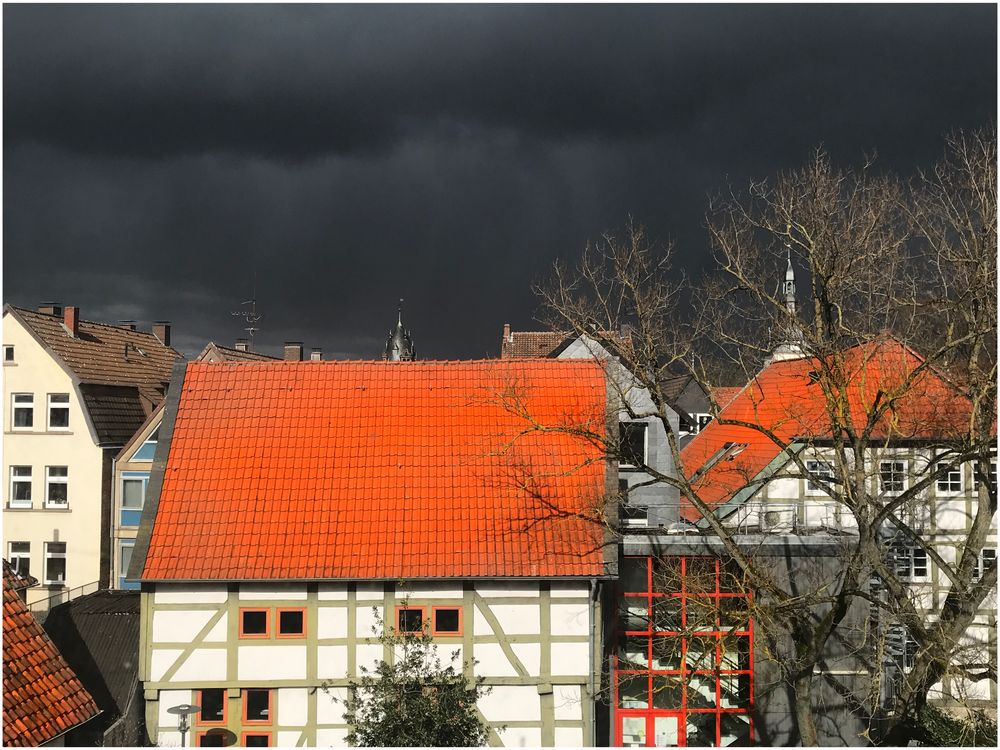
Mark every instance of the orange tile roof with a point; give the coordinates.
(42, 697)
(360, 470)
(786, 399)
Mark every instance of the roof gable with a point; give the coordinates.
(355, 470)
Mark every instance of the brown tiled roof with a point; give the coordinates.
(42, 697)
(227, 354)
(116, 411)
(106, 354)
(15, 580)
(530, 344)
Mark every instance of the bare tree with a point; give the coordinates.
(892, 269)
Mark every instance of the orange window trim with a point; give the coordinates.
(201, 735)
(435, 631)
(423, 618)
(267, 622)
(243, 737)
(277, 622)
(225, 710)
(270, 708)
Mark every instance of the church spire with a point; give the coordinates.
(790, 285)
(790, 346)
(399, 346)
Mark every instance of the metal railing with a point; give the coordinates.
(41, 608)
(751, 517)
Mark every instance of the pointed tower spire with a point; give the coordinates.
(790, 284)
(399, 346)
(790, 347)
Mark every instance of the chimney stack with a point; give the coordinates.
(293, 351)
(242, 345)
(316, 355)
(71, 319)
(506, 333)
(161, 329)
(128, 325)
(50, 308)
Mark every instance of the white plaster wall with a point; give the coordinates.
(567, 702)
(564, 589)
(568, 737)
(190, 593)
(36, 372)
(289, 739)
(271, 591)
(293, 707)
(330, 705)
(332, 592)
(786, 488)
(570, 619)
(331, 662)
(530, 655)
(203, 665)
(220, 631)
(511, 703)
(368, 656)
(570, 658)
(514, 619)
(161, 660)
(331, 622)
(369, 591)
(492, 661)
(169, 699)
(271, 662)
(179, 626)
(331, 737)
(366, 620)
(512, 588)
(425, 590)
(951, 514)
(521, 737)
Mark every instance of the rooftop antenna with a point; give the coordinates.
(250, 315)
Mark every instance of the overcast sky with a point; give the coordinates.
(156, 157)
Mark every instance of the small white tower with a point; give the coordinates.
(791, 345)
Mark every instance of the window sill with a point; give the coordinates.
(10, 364)
(38, 432)
(40, 510)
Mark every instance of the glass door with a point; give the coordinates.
(649, 729)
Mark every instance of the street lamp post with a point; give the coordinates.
(182, 712)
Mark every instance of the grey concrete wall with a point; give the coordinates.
(661, 499)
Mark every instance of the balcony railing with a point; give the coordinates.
(751, 517)
(42, 607)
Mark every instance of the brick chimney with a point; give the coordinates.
(242, 345)
(71, 319)
(50, 308)
(293, 351)
(316, 355)
(161, 329)
(506, 333)
(128, 325)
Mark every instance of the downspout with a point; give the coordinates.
(593, 661)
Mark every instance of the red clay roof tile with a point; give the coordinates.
(354, 470)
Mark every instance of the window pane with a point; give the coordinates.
(60, 398)
(22, 471)
(667, 652)
(632, 443)
(633, 731)
(667, 691)
(20, 546)
(255, 622)
(57, 493)
(145, 452)
(635, 614)
(665, 731)
(701, 730)
(126, 557)
(633, 575)
(446, 620)
(667, 613)
(701, 691)
(735, 690)
(633, 691)
(58, 471)
(58, 417)
(735, 729)
(257, 740)
(291, 622)
(701, 652)
(23, 417)
(55, 569)
(633, 653)
(57, 547)
(212, 739)
(257, 705)
(212, 705)
(132, 493)
(411, 620)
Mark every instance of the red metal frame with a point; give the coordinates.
(683, 673)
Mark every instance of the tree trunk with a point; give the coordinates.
(803, 709)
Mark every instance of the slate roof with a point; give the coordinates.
(785, 398)
(226, 354)
(367, 470)
(126, 371)
(42, 697)
(99, 637)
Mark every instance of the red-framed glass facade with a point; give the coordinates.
(683, 667)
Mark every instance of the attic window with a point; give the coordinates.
(447, 621)
(410, 619)
(8, 354)
(148, 448)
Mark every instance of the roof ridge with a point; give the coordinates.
(91, 322)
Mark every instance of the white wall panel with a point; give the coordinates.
(570, 619)
(169, 699)
(568, 702)
(521, 737)
(424, 590)
(369, 655)
(288, 739)
(493, 662)
(189, 593)
(330, 705)
(161, 661)
(203, 665)
(293, 708)
(512, 588)
(369, 591)
(220, 631)
(332, 592)
(569, 737)
(517, 619)
(366, 620)
(271, 662)
(331, 622)
(331, 662)
(511, 703)
(178, 626)
(570, 658)
(331, 737)
(562, 589)
(530, 655)
(270, 591)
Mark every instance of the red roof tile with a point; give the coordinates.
(355, 470)
(42, 697)
(786, 399)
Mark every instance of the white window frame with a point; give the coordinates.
(54, 555)
(645, 442)
(975, 475)
(948, 479)
(14, 408)
(984, 554)
(50, 480)
(152, 439)
(133, 476)
(14, 558)
(814, 467)
(21, 479)
(122, 568)
(56, 405)
(908, 556)
(905, 471)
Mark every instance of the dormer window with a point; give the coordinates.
(148, 448)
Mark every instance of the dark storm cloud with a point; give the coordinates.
(157, 157)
